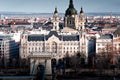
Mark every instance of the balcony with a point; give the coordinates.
(40, 55)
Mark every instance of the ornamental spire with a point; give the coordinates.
(71, 4)
(81, 10)
(71, 1)
(55, 10)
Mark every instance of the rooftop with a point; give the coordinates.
(106, 36)
(39, 37)
(2, 36)
(117, 32)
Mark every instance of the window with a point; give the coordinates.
(98, 44)
(55, 27)
(39, 43)
(99, 48)
(67, 43)
(54, 47)
(25, 37)
(103, 44)
(60, 44)
(70, 22)
(74, 43)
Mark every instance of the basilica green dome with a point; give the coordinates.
(71, 10)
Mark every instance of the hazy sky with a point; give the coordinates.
(41, 6)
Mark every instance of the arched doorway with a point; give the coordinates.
(40, 72)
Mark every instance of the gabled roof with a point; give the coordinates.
(53, 33)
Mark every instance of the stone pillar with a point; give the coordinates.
(32, 66)
(48, 67)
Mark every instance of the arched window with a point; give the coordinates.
(54, 47)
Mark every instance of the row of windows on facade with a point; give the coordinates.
(105, 49)
(4, 53)
(38, 44)
(58, 51)
(35, 48)
(7, 49)
(104, 44)
(117, 45)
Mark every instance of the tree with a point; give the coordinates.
(110, 54)
(67, 60)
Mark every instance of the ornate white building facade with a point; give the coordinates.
(109, 42)
(71, 39)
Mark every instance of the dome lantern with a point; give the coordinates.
(71, 10)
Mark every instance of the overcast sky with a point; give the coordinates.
(47, 6)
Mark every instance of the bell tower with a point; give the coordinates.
(55, 20)
(81, 20)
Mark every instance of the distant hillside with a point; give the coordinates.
(23, 14)
(103, 14)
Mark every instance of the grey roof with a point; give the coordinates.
(36, 38)
(2, 37)
(117, 32)
(71, 38)
(46, 37)
(106, 36)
